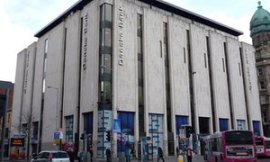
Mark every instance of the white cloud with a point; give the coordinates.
(20, 20)
(13, 39)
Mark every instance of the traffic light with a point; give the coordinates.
(189, 131)
(89, 138)
(108, 135)
(82, 136)
(89, 142)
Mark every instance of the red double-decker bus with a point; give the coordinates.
(262, 146)
(230, 146)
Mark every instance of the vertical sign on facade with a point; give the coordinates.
(84, 41)
(121, 36)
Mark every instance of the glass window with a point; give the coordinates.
(223, 64)
(239, 137)
(140, 70)
(262, 85)
(58, 155)
(140, 73)
(139, 44)
(35, 130)
(108, 12)
(180, 120)
(106, 37)
(45, 65)
(240, 70)
(69, 128)
(205, 61)
(126, 120)
(6, 132)
(139, 21)
(140, 96)
(241, 125)
(46, 46)
(24, 127)
(156, 131)
(260, 71)
(264, 115)
(256, 128)
(106, 63)
(88, 123)
(106, 91)
(223, 124)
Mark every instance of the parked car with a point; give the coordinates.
(51, 156)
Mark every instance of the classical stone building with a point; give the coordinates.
(260, 33)
(146, 66)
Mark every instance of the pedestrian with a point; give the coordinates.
(88, 156)
(108, 155)
(91, 154)
(177, 151)
(189, 154)
(71, 154)
(160, 154)
(127, 153)
(133, 152)
(80, 156)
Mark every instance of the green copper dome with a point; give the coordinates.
(260, 21)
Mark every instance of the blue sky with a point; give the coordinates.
(21, 19)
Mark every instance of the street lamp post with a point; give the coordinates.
(57, 112)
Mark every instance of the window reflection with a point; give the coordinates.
(105, 58)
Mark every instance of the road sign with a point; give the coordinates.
(57, 135)
(182, 133)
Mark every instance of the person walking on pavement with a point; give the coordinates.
(108, 155)
(133, 153)
(160, 154)
(189, 154)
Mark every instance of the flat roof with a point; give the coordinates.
(77, 6)
(156, 3)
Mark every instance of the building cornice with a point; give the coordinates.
(156, 3)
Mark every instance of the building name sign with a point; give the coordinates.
(84, 41)
(248, 71)
(121, 53)
(26, 71)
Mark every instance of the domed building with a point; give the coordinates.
(260, 34)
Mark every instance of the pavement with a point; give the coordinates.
(196, 158)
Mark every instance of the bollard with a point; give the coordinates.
(180, 158)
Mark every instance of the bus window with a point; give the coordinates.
(238, 137)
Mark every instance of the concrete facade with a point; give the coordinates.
(220, 69)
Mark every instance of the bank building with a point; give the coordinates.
(133, 70)
(260, 34)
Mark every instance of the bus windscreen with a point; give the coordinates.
(238, 138)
